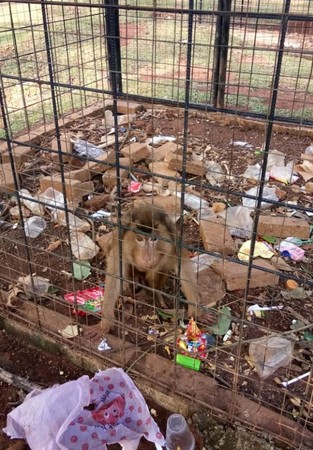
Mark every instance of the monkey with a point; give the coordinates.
(149, 255)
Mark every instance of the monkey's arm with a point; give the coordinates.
(112, 285)
(188, 282)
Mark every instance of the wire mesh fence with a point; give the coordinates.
(112, 106)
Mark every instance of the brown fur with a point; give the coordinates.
(146, 259)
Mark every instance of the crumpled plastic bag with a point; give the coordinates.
(57, 418)
(268, 194)
(269, 353)
(238, 220)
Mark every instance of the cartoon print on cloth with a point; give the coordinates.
(109, 414)
(85, 414)
(120, 413)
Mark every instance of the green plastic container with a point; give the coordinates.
(186, 361)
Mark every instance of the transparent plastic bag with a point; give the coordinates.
(34, 226)
(268, 194)
(238, 220)
(270, 353)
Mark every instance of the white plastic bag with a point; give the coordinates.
(238, 220)
(268, 194)
(57, 418)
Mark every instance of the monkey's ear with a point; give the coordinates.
(170, 225)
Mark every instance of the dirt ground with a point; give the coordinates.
(46, 370)
(210, 140)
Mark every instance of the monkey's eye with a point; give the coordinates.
(139, 238)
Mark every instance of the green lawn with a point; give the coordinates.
(153, 61)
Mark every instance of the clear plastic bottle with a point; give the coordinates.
(178, 434)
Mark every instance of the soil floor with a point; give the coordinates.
(48, 369)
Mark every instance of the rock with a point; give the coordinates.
(125, 107)
(7, 184)
(211, 287)
(193, 167)
(159, 153)
(20, 154)
(283, 227)
(235, 274)
(136, 151)
(162, 169)
(66, 147)
(97, 202)
(109, 177)
(216, 236)
(75, 189)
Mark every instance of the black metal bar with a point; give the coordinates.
(205, 12)
(268, 135)
(222, 73)
(217, 53)
(113, 44)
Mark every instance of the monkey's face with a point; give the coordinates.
(146, 243)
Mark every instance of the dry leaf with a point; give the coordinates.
(10, 295)
(280, 264)
(305, 170)
(54, 245)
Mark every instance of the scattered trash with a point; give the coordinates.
(261, 249)
(223, 324)
(270, 353)
(275, 159)
(84, 413)
(103, 346)
(69, 332)
(228, 335)
(35, 283)
(291, 285)
(268, 194)
(290, 250)
(85, 148)
(241, 144)
(196, 203)
(254, 173)
(54, 245)
(134, 187)
(188, 362)
(239, 221)
(305, 170)
(83, 248)
(284, 174)
(74, 222)
(88, 300)
(81, 270)
(10, 295)
(194, 341)
(101, 214)
(293, 380)
(178, 434)
(52, 198)
(34, 226)
(157, 140)
(297, 293)
(309, 150)
(215, 173)
(254, 309)
(31, 202)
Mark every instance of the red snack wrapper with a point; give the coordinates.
(88, 300)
